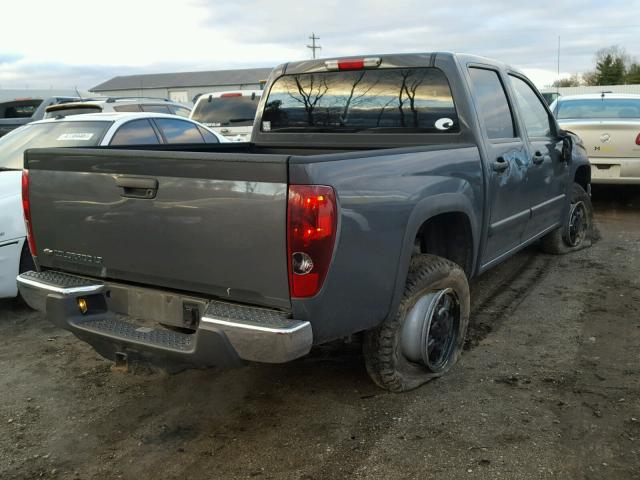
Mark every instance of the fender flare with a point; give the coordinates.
(424, 210)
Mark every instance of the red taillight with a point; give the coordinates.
(353, 64)
(311, 233)
(227, 95)
(26, 208)
(638, 139)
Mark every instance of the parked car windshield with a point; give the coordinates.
(54, 134)
(399, 100)
(599, 108)
(231, 111)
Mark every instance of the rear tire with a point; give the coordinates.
(577, 230)
(425, 337)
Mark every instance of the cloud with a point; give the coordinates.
(7, 58)
(186, 35)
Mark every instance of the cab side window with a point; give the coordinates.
(492, 104)
(534, 114)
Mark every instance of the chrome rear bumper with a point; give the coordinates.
(130, 321)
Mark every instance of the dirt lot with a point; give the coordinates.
(549, 388)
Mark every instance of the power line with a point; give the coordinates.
(313, 45)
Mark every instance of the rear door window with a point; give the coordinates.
(395, 100)
(179, 131)
(534, 114)
(492, 104)
(136, 132)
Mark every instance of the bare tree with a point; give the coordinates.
(382, 110)
(409, 88)
(354, 99)
(309, 99)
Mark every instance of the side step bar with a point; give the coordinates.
(226, 333)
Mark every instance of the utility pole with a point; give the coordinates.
(558, 77)
(313, 45)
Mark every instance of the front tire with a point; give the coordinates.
(425, 337)
(577, 228)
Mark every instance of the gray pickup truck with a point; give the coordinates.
(372, 190)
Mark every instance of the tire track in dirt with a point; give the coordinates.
(490, 312)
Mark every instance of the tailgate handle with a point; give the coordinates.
(137, 187)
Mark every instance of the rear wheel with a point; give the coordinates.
(577, 229)
(425, 337)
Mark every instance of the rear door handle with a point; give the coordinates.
(500, 165)
(137, 187)
(539, 158)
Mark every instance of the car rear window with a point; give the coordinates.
(227, 111)
(399, 100)
(599, 108)
(45, 135)
(19, 108)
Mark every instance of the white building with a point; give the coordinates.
(596, 89)
(184, 86)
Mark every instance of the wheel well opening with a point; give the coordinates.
(448, 235)
(583, 177)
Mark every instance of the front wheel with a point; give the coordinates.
(577, 229)
(425, 337)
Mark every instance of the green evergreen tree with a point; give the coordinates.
(610, 70)
(632, 76)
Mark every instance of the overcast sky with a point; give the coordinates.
(68, 43)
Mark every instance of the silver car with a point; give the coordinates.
(609, 125)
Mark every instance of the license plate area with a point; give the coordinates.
(155, 306)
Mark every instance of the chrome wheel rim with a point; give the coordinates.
(578, 224)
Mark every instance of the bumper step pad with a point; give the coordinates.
(226, 334)
(130, 332)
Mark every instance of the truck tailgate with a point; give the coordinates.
(212, 223)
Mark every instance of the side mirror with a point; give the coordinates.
(567, 147)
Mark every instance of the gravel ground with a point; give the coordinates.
(549, 387)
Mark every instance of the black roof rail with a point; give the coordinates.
(115, 99)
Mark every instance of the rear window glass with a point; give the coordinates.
(599, 108)
(44, 135)
(134, 107)
(386, 100)
(66, 112)
(19, 109)
(232, 111)
(155, 108)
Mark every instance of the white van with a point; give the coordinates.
(228, 113)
